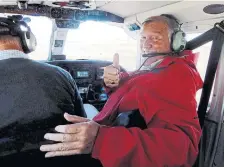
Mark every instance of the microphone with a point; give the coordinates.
(158, 54)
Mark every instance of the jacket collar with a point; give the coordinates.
(186, 55)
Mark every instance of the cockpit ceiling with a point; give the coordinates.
(122, 8)
(185, 11)
(129, 8)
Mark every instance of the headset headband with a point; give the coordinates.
(12, 23)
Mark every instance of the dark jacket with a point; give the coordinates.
(33, 99)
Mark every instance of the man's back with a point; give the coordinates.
(33, 99)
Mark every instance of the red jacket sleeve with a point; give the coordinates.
(173, 132)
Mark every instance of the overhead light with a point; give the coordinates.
(214, 9)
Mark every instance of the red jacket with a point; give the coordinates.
(166, 100)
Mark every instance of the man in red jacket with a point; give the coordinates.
(163, 92)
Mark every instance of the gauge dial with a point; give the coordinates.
(56, 13)
(67, 14)
(80, 15)
(41, 9)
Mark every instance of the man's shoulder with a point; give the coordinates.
(183, 64)
(178, 64)
(49, 69)
(184, 70)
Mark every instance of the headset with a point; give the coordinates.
(177, 42)
(14, 26)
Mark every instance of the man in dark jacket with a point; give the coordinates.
(33, 95)
(162, 91)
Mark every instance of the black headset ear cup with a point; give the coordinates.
(28, 35)
(27, 38)
(23, 39)
(14, 26)
(28, 41)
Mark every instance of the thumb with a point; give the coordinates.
(74, 118)
(116, 60)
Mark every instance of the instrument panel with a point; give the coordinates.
(88, 75)
(67, 14)
(56, 13)
(61, 13)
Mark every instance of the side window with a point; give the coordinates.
(204, 53)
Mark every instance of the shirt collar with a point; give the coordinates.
(8, 54)
(152, 65)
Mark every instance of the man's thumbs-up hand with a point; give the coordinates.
(116, 62)
(111, 73)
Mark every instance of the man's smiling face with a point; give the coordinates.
(154, 38)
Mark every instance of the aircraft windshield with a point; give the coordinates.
(100, 41)
(92, 40)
